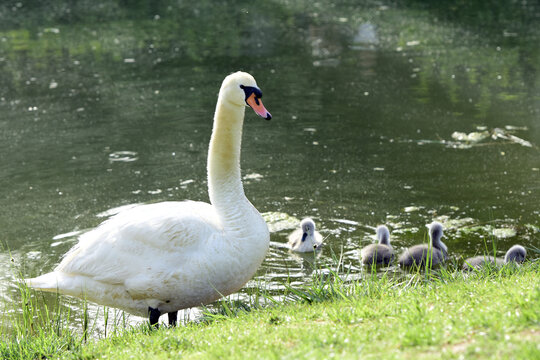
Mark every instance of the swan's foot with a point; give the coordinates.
(154, 315)
(172, 318)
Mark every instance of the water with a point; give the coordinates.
(381, 114)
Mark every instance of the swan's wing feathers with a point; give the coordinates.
(151, 237)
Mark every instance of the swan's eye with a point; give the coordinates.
(252, 90)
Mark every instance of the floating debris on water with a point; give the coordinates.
(511, 128)
(462, 140)
(503, 233)
(187, 182)
(278, 221)
(470, 137)
(252, 176)
(345, 221)
(502, 134)
(449, 223)
(123, 156)
(398, 229)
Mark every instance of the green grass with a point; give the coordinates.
(33, 331)
(491, 313)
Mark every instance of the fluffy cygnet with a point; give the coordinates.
(380, 253)
(516, 253)
(305, 239)
(418, 254)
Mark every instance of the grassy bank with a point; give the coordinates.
(488, 314)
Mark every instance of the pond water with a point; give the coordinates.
(381, 115)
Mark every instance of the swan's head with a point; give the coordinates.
(240, 89)
(516, 253)
(383, 235)
(435, 234)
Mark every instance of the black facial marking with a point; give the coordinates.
(248, 90)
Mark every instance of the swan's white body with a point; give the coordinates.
(175, 255)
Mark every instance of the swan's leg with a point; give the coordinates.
(154, 315)
(172, 318)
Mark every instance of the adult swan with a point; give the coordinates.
(159, 258)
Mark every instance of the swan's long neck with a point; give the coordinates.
(224, 178)
(243, 228)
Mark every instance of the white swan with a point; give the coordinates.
(160, 258)
(305, 239)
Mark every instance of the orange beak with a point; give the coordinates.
(256, 104)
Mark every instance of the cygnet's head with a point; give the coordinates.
(240, 89)
(308, 228)
(516, 253)
(383, 235)
(435, 234)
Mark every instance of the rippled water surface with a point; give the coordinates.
(381, 114)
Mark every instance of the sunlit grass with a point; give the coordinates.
(34, 331)
(445, 314)
(442, 313)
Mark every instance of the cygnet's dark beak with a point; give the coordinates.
(304, 236)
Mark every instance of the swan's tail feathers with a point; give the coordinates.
(47, 282)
